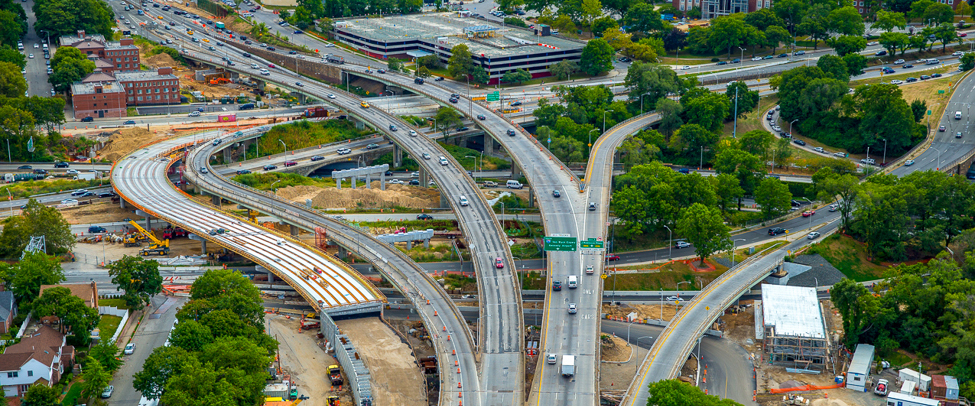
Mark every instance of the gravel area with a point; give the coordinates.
(723, 261)
(822, 272)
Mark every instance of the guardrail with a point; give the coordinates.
(348, 357)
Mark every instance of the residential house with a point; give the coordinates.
(40, 357)
(86, 291)
(8, 310)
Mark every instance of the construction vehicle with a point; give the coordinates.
(174, 232)
(335, 375)
(156, 246)
(309, 324)
(332, 401)
(219, 81)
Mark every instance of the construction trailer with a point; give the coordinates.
(859, 371)
(793, 327)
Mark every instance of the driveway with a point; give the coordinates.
(151, 334)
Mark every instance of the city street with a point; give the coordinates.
(152, 333)
(36, 75)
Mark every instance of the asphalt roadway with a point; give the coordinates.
(151, 334)
(36, 75)
(947, 147)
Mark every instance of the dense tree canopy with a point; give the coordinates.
(65, 17)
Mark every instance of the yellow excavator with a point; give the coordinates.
(157, 246)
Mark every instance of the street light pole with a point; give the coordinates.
(733, 247)
(285, 148)
(590, 138)
(670, 252)
(885, 151)
(604, 120)
(790, 127)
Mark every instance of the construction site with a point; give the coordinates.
(792, 327)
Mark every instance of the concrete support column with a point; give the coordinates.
(338, 183)
(228, 156)
(343, 253)
(368, 181)
(354, 181)
(360, 125)
(444, 204)
(382, 181)
(426, 243)
(424, 178)
(531, 197)
(488, 144)
(215, 200)
(397, 156)
(121, 202)
(203, 246)
(149, 224)
(515, 170)
(294, 230)
(409, 245)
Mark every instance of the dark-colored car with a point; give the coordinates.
(129, 122)
(908, 66)
(87, 119)
(270, 167)
(556, 286)
(453, 100)
(913, 79)
(555, 193)
(736, 60)
(511, 133)
(936, 75)
(40, 171)
(880, 53)
(925, 77)
(414, 182)
(96, 229)
(424, 216)
(612, 257)
(25, 167)
(517, 103)
(481, 117)
(783, 56)
(438, 79)
(107, 194)
(61, 165)
(317, 158)
(243, 171)
(800, 53)
(776, 231)
(722, 63)
(798, 142)
(290, 163)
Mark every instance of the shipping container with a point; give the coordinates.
(316, 112)
(227, 118)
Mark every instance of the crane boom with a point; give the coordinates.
(157, 246)
(147, 234)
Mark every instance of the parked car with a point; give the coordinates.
(107, 393)
(424, 216)
(129, 349)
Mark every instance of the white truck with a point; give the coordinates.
(568, 365)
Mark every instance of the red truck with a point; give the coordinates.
(316, 112)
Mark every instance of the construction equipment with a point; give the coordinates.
(156, 247)
(252, 215)
(310, 324)
(332, 401)
(335, 375)
(219, 81)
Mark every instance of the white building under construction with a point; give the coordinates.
(791, 325)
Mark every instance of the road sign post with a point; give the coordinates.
(560, 243)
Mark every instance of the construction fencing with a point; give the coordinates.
(355, 370)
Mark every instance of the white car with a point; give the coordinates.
(194, 114)
(572, 308)
(685, 67)
(36, 46)
(31, 56)
(343, 151)
(129, 349)
(957, 53)
(682, 244)
(674, 299)
(69, 201)
(819, 150)
(813, 235)
(552, 359)
(331, 96)
(896, 82)
(909, 162)
(265, 72)
(107, 393)
(757, 58)
(71, 172)
(412, 133)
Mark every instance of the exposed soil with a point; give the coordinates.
(100, 212)
(616, 376)
(642, 311)
(305, 360)
(334, 198)
(160, 61)
(125, 141)
(396, 379)
(740, 328)
(215, 91)
(614, 349)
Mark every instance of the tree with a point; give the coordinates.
(460, 62)
(394, 64)
(227, 289)
(64, 17)
(25, 278)
(163, 363)
(855, 64)
(776, 35)
(106, 352)
(423, 72)
(727, 32)
(945, 32)
(591, 9)
(12, 84)
(430, 61)
(888, 20)
(651, 80)
(674, 39)
(744, 166)
(446, 118)
(742, 99)
(564, 24)
(42, 395)
(669, 111)
(10, 28)
(690, 140)
(918, 8)
(845, 187)
(790, 11)
(846, 21)
(36, 220)
(191, 336)
(891, 41)
(728, 190)
(849, 44)
(138, 278)
(884, 115)
(774, 197)
(919, 107)
(479, 75)
(968, 61)
(597, 57)
(11, 55)
(75, 316)
(939, 13)
(517, 76)
(763, 19)
(704, 228)
(706, 109)
(563, 69)
(673, 392)
(601, 25)
(816, 24)
(834, 66)
(70, 71)
(857, 307)
(515, 21)
(642, 17)
(95, 379)
(963, 9)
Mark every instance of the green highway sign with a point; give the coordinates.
(493, 96)
(556, 243)
(591, 243)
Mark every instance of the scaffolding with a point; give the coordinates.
(795, 351)
(794, 326)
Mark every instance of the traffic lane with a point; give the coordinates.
(151, 334)
(55, 198)
(36, 75)
(945, 148)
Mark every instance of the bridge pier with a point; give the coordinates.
(409, 245)
(488, 144)
(444, 204)
(338, 183)
(294, 230)
(531, 197)
(228, 157)
(382, 181)
(397, 156)
(516, 171)
(368, 181)
(424, 178)
(215, 200)
(148, 218)
(354, 181)
(121, 203)
(270, 275)
(203, 242)
(342, 253)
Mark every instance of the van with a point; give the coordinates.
(44, 46)
(957, 115)
(573, 282)
(443, 160)
(514, 184)
(932, 61)
(463, 201)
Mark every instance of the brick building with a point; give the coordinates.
(148, 87)
(108, 56)
(98, 95)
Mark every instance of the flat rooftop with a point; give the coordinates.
(79, 88)
(793, 311)
(489, 39)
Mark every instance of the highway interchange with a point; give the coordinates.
(562, 333)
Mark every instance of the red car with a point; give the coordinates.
(270, 65)
(290, 163)
(808, 213)
(498, 263)
(612, 257)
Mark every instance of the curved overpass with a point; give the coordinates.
(405, 274)
(141, 179)
(501, 324)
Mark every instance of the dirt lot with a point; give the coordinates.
(615, 349)
(394, 195)
(303, 357)
(126, 141)
(642, 311)
(618, 375)
(396, 380)
(99, 212)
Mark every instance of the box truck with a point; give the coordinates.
(568, 365)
